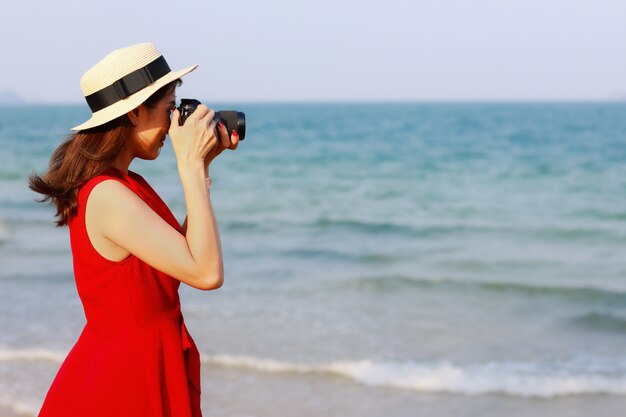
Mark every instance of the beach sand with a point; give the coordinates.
(7, 412)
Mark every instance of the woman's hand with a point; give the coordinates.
(193, 141)
(225, 142)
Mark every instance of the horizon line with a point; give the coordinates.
(23, 102)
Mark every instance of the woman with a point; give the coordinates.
(135, 356)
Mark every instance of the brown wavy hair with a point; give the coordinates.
(82, 156)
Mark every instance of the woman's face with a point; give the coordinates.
(151, 126)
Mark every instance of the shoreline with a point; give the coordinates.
(6, 411)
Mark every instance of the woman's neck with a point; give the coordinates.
(122, 162)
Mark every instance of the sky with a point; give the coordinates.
(323, 50)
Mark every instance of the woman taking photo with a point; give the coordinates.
(134, 356)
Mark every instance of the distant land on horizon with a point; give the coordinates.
(10, 97)
(18, 100)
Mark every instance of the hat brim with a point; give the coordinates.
(131, 102)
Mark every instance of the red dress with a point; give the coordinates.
(134, 357)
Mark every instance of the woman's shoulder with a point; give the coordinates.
(116, 180)
(108, 174)
(85, 189)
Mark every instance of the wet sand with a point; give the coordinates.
(7, 412)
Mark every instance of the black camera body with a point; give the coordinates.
(232, 119)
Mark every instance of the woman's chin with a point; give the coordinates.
(150, 157)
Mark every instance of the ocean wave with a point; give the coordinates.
(366, 227)
(581, 234)
(246, 226)
(374, 228)
(319, 253)
(20, 408)
(600, 321)
(519, 379)
(403, 282)
(342, 256)
(10, 355)
(4, 232)
(578, 376)
(425, 231)
(12, 175)
(602, 214)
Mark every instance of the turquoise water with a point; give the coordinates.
(381, 259)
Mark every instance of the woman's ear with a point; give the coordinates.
(133, 116)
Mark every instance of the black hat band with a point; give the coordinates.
(128, 85)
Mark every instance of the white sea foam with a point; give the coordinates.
(20, 408)
(511, 378)
(31, 355)
(579, 376)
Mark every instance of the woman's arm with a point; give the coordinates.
(118, 215)
(226, 142)
(127, 224)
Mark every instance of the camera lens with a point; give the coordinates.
(232, 119)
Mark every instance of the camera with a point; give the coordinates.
(232, 119)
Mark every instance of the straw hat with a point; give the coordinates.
(123, 80)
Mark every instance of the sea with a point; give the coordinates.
(381, 260)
